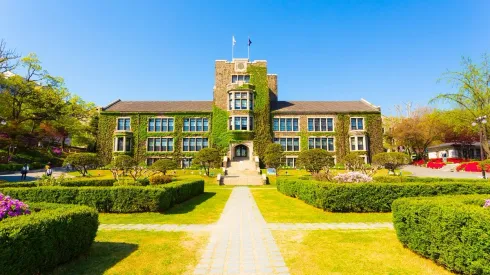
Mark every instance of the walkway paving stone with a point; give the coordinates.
(330, 226)
(241, 242)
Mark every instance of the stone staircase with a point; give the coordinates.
(242, 172)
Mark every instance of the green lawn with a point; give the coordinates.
(205, 208)
(139, 252)
(276, 207)
(350, 252)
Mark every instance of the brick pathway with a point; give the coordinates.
(241, 243)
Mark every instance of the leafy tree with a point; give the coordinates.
(473, 92)
(163, 165)
(315, 160)
(207, 158)
(391, 160)
(82, 162)
(127, 165)
(273, 155)
(8, 58)
(353, 161)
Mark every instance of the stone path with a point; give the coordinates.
(241, 243)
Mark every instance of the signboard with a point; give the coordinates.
(271, 171)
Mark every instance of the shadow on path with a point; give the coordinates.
(101, 257)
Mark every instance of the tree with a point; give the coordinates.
(315, 160)
(473, 92)
(82, 162)
(127, 165)
(8, 58)
(273, 155)
(392, 160)
(207, 158)
(163, 165)
(353, 161)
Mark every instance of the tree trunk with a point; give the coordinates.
(484, 143)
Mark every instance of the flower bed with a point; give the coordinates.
(53, 234)
(373, 196)
(121, 199)
(11, 207)
(452, 231)
(474, 166)
(435, 164)
(419, 162)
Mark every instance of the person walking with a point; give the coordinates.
(24, 171)
(49, 171)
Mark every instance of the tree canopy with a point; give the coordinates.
(208, 158)
(315, 160)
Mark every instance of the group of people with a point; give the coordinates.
(25, 169)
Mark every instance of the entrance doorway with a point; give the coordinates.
(241, 151)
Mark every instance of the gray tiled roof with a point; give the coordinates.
(317, 107)
(160, 106)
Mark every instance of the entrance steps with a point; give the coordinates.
(242, 172)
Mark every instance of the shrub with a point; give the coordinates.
(10, 167)
(82, 161)
(273, 156)
(370, 197)
(163, 165)
(208, 158)
(315, 160)
(160, 179)
(452, 231)
(120, 199)
(350, 177)
(51, 235)
(127, 182)
(353, 161)
(435, 164)
(11, 207)
(392, 160)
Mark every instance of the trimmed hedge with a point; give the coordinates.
(369, 197)
(68, 183)
(120, 199)
(392, 179)
(51, 235)
(453, 231)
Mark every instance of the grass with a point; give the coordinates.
(139, 252)
(350, 252)
(203, 209)
(276, 207)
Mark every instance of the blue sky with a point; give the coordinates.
(388, 52)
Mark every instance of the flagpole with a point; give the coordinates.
(232, 46)
(248, 48)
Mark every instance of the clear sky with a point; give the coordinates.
(388, 52)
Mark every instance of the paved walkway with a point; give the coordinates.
(418, 171)
(241, 243)
(33, 175)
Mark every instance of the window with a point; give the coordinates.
(240, 100)
(326, 143)
(194, 144)
(200, 124)
(158, 144)
(286, 124)
(186, 162)
(288, 144)
(124, 124)
(160, 124)
(319, 124)
(242, 78)
(357, 123)
(239, 123)
(122, 144)
(358, 143)
(289, 161)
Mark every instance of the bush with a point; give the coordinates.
(452, 231)
(10, 167)
(163, 165)
(370, 197)
(10, 207)
(315, 160)
(160, 179)
(120, 199)
(68, 183)
(82, 161)
(392, 160)
(51, 235)
(351, 177)
(353, 161)
(127, 182)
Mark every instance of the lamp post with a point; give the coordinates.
(481, 121)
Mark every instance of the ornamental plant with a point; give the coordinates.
(11, 207)
(351, 177)
(487, 204)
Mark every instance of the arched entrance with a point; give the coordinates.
(241, 151)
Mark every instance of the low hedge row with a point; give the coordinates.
(423, 179)
(51, 235)
(369, 197)
(453, 231)
(120, 199)
(68, 183)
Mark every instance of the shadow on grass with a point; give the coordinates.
(101, 257)
(189, 205)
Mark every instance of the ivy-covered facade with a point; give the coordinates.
(244, 116)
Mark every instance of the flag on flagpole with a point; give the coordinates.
(249, 42)
(233, 41)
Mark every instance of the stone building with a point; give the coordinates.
(244, 116)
